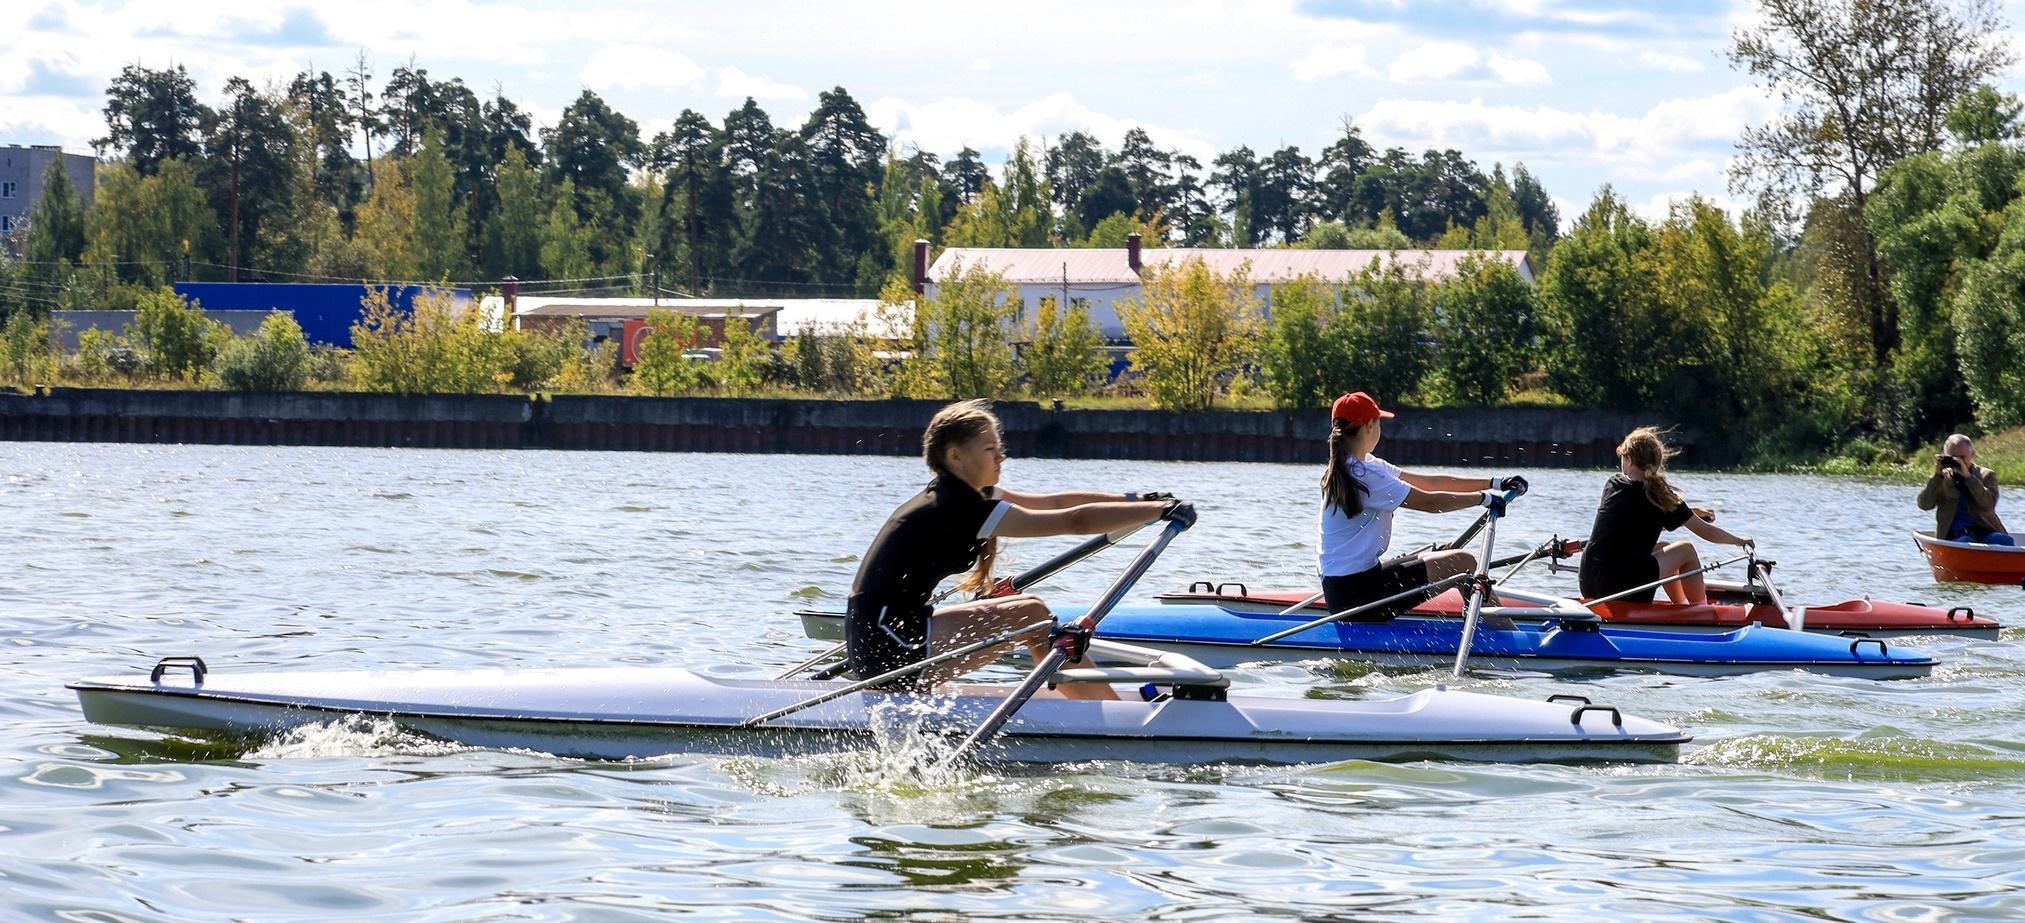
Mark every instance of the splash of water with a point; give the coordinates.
(1913, 758)
(351, 735)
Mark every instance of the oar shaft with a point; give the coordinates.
(892, 675)
(838, 648)
(1055, 657)
(1796, 619)
(1479, 589)
(1442, 584)
(1303, 604)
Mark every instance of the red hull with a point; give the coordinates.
(1968, 562)
(1857, 615)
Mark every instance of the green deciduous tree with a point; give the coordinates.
(274, 358)
(1192, 330)
(742, 363)
(662, 368)
(1064, 354)
(1486, 325)
(181, 342)
(965, 329)
(140, 228)
(1864, 83)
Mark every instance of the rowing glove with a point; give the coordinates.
(1179, 511)
(1514, 482)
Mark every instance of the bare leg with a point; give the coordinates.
(976, 620)
(1679, 557)
(1443, 564)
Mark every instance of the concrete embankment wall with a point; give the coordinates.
(1504, 436)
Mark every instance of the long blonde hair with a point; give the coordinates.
(1649, 454)
(953, 425)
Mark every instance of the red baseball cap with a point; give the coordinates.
(1357, 409)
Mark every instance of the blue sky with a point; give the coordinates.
(1584, 92)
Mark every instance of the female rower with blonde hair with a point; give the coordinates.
(1638, 503)
(953, 526)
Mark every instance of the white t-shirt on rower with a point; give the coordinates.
(1354, 544)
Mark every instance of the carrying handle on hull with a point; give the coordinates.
(1968, 614)
(194, 664)
(1565, 697)
(1882, 650)
(1616, 717)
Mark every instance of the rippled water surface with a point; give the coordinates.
(1804, 796)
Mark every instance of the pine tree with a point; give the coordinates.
(513, 235)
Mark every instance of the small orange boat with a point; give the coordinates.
(1971, 562)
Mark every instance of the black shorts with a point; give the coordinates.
(1353, 590)
(880, 638)
(1604, 576)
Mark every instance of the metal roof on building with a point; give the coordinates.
(1040, 266)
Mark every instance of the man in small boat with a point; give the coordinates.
(1963, 496)
(1638, 503)
(1360, 492)
(954, 526)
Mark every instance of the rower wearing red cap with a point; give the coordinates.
(1360, 491)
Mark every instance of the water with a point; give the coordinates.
(1804, 796)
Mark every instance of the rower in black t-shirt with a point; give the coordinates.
(1638, 503)
(951, 527)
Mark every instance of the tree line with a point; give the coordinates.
(342, 177)
(1867, 298)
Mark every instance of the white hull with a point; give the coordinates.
(620, 713)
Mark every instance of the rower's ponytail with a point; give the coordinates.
(953, 425)
(1649, 454)
(1339, 487)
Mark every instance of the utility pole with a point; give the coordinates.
(657, 285)
(1061, 310)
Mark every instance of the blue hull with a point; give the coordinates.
(1222, 637)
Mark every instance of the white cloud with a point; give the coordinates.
(1671, 63)
(1324, 61)
(1455, 61)
(1519, 71)
(1662, 143)
(628, 66)
(979, 65)
(1659, 206)
(737, 84)
(1432, 61)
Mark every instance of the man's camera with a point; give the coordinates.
(1948, 461)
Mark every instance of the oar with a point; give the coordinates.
(1021, 581)
(1480, 584)
(1468, 533)
(891, 675)
(1437, 586)
(1796, 619)
(1060, 652)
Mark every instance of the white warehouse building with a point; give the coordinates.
(1102, 277)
